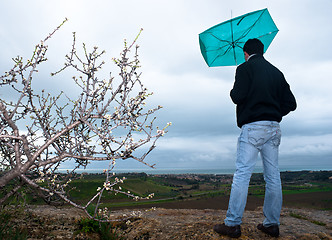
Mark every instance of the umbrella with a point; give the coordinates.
(222, 44)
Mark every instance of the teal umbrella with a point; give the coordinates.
(222, 44)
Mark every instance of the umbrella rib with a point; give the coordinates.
(220, 55)
(267, 34)
(251, 27)
(219, 38)
(238, 40)
(233, 42)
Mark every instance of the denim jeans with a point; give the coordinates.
(258, 137)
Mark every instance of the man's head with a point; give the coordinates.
(253, 46)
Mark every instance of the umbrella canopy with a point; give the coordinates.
(222, 44)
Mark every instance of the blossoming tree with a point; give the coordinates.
(106, 122)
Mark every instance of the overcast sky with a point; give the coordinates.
(195, 97)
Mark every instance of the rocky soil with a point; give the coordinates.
(47, 222)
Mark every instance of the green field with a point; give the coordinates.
(174, 188)
(315, 187)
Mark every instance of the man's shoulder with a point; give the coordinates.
(257, 64)
(259, 60)
(246, 66)
(242, 66)
(255, 59)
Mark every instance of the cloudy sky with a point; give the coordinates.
(195, 97)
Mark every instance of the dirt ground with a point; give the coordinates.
(47, 222)
(300, 219)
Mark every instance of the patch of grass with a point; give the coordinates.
(105, 230)
(88, 225)
(304, 191)
(137, 203)
(7, 230)
(209, 194)
(257, 191)
(145, 187)
(85, 189)
(308, 188)
(298, 216)
(318, 223)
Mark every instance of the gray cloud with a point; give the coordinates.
(195, 97)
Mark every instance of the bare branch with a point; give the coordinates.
(107, 121)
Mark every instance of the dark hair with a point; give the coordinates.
(254, 46)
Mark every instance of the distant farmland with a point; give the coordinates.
(203, 191)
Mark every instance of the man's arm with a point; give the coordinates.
(241, 85)
(288, 102)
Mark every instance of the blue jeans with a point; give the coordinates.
(258, 137)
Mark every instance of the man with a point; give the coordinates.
(263, 97)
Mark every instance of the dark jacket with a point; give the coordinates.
(261, 92)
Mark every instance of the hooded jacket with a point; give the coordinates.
(261, 92)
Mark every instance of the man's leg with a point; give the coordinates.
(273, 191)
(245, 163)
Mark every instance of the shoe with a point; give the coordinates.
(273, 230)
(233, 232)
